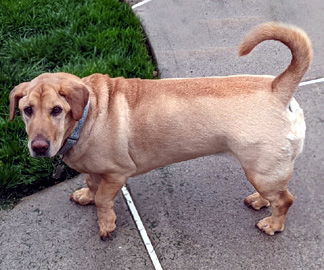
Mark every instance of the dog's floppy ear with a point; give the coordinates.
(77, 96)
(17, 93)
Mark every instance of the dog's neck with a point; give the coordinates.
(73, 138)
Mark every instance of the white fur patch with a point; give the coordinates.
(296, 135)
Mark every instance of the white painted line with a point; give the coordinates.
(320, 80)
(140, 4)
(141, 229)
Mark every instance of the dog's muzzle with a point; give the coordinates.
(40, 147)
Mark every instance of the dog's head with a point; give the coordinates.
(50, 105)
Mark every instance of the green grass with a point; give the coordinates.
(75, 36)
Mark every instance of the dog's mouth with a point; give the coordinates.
(40, 155)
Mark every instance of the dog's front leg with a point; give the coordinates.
(85, 196)
(104, 199)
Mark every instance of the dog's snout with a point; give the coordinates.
(40, 146)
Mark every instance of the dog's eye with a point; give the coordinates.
(56, 111)
(28, 111)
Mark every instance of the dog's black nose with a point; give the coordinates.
(40, 146)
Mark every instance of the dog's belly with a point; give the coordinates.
(178, 132)
(176, 152)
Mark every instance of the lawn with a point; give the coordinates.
(75, 36)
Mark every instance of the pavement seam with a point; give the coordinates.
(141, 229)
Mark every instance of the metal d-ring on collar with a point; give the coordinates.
(73, 138)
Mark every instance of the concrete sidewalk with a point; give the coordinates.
(200, 38)
(48, 231)
(193, 211)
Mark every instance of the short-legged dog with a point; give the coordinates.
(115, 128)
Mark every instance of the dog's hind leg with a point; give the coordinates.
(85, 196)
(280, 203)
(274, 191)
(256, 201)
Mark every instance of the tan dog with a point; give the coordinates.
(134, 126)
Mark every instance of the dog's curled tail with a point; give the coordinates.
(285, 84)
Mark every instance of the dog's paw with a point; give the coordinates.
(256, 201)
(82, 196)
(269, 227)
(106, 230)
